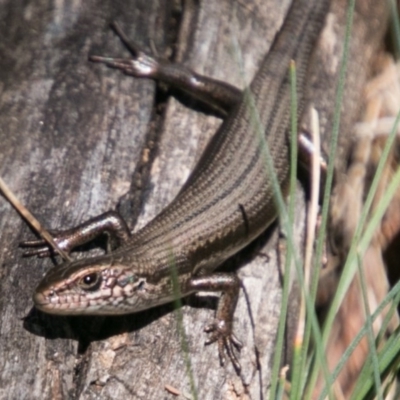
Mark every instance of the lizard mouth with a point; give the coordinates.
(39, 299)
(43, 303)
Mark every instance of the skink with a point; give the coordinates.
(226, 203)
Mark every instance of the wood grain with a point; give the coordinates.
(75, 137)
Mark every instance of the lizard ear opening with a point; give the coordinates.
(90, 282)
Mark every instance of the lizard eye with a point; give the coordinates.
(90, 281)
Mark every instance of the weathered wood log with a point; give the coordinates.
(75, 137)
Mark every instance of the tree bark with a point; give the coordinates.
(77, 138)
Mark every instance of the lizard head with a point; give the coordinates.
(96, 286)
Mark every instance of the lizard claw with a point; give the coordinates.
(41, 249)
(228, 343)
(109, 223)
(141, 65)
(41, 252)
